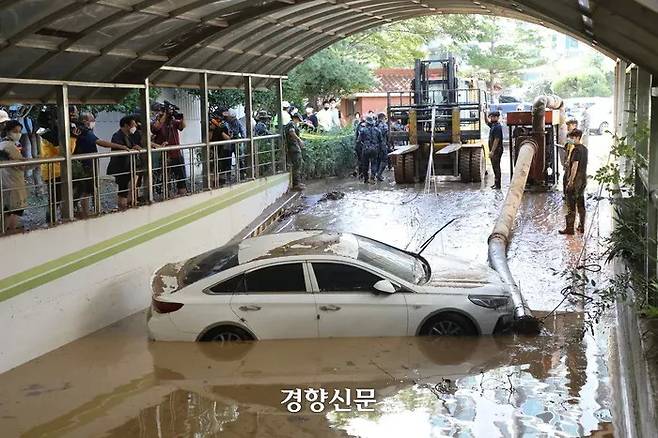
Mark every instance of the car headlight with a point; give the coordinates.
(489, 301)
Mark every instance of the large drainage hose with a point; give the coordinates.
(499, 239)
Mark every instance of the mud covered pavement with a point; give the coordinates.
(116, 383)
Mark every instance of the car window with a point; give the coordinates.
(337, 277)
(232, 285)
(277, 278)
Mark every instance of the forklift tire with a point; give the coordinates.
(477, 165)
(403, 168)
(465, 164)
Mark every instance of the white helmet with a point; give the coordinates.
(4, 116)
(285, 104)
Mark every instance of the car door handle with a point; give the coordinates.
(249, 308)
(330, 308)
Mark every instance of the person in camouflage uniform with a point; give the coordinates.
(294, 146)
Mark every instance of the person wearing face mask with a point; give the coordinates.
(166, 129)
(335, 114)
(294, 146)
(13, 179)
(119, 166)
(325, 117)
(87, 143)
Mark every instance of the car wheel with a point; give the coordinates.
(603, 127)
(448, 324)
(226, 334)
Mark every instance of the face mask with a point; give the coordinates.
(326, 108)
(16, 136)
(133, 129)
(92, 125)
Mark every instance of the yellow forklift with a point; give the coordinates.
(450, 110)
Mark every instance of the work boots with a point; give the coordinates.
(568, 230)
(581, 218)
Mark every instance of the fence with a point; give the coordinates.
(75, 186)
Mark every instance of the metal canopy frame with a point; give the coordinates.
(127, 41)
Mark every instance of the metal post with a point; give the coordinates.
(620, 76)
(279, 101)
(145, 103)
(205, 130)
(66, 172)
(248, 111)
(652, 213)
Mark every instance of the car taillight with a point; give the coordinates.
(165, 307)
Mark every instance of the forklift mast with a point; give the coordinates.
(432, 76)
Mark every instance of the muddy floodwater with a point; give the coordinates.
(116, 383)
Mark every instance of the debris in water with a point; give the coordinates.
(332, 196)
(291, 211)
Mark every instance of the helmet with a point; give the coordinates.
(285, 104)
(3, 116)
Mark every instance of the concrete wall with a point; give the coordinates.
(85, 275)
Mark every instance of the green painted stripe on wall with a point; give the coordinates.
(57, 268)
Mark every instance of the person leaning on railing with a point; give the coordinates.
(87, 143)
(119, 166)
(14, 191)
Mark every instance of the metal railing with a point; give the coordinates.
(174, 170)
(148, 175)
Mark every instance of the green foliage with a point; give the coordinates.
(328, 154)
(129, 105)
(590, 84)
(498, 56)
(263, 99)
(538, 88)
(330, 73)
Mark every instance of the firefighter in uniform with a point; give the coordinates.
(294, 145)
(495, 146)
(372, 142)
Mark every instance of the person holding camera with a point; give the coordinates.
(166, 129)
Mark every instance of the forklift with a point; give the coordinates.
(446, 117)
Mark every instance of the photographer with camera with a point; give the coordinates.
(166, 129)
(219, 131)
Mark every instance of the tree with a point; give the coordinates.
(590, 84)
(500, 56)
(332, 73)
(129, 105)
(538, 88)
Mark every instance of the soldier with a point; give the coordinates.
(382, 125)
(495, 146)
(576, 177)
(294, 145)
(371, 141)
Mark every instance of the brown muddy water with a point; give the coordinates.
(116, 383)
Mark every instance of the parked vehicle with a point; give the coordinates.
(323, 284)
(600, 118)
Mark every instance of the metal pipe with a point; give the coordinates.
(499, 239)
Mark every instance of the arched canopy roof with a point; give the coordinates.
(127, 41)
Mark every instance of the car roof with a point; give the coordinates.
(298, 243)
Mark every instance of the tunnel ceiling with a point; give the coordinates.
(128, 40)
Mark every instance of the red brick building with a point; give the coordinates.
(387, 80)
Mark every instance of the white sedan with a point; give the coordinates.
(323, 284)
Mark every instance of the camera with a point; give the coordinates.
(172, 110)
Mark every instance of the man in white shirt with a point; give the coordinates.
(285, 114)
(335, 114)
(325, 117)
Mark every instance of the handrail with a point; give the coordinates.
(29, 163)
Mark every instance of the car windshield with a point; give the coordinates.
(402, 264)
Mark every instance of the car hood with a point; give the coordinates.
(451, 271)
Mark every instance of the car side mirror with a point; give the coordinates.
(384, 286)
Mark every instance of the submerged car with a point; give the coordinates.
(323, 284)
